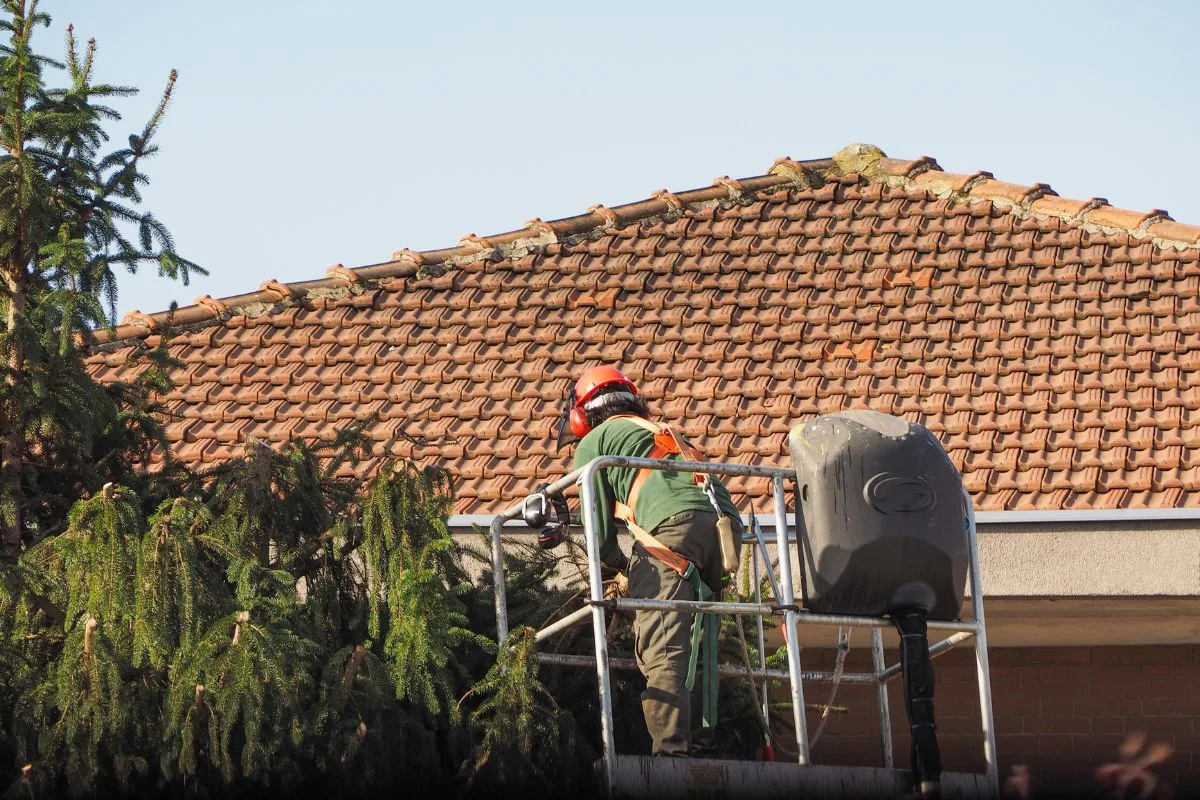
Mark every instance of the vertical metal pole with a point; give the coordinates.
(885, 713)
(599, 628)
(789, 620)
(982, 671)
(758, 619)
(498, 580)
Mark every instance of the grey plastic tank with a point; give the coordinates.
(882, 517)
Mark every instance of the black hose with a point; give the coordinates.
(918, 697)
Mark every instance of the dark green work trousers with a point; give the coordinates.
(663, 639)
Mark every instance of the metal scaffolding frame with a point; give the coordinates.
(785, 605)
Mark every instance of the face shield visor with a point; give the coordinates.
(565, 434)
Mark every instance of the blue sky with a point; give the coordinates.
(303, 133)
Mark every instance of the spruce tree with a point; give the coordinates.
(244, 685)
(525, 739)
(427, 630)
(211, 646)
(70, 215)
(87, 714)
(178, 581)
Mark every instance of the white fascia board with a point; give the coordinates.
(482, 520)
(1088, 515)
(1072, 517)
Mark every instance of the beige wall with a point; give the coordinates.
(1102, 559)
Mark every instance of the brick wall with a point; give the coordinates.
(1061, 711)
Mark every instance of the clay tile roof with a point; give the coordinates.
(1053, 345)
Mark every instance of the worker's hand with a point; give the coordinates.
(617, 587)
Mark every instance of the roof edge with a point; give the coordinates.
(1054, 516)
(867, 161)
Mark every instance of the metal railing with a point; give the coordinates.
(785, 605)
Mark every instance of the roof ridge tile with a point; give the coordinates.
(539, 224)
(607, 214)
(280, 291)
(218, 307)
(477, 243)
(146, 322)
(337, 271)
(736, 188)
(863, 162)
(801, 174)
(668, 197)
(411, 256)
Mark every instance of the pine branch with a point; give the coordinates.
(18, 587)
(523, 738)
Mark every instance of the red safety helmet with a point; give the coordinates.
(586, 388)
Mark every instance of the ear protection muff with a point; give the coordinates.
(577, 419)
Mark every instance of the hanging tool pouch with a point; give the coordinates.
(918, 697)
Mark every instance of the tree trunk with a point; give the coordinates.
(11, 439)
(10, 421)
(351, 671)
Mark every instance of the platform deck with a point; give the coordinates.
(647, 777)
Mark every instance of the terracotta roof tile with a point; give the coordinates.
(1052, 344)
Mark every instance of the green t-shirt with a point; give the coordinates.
(663, 495)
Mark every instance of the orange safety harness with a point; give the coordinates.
(666, 443)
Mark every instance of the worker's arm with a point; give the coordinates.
(606, 528)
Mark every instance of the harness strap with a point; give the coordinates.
(705, 631)
(659, 550)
